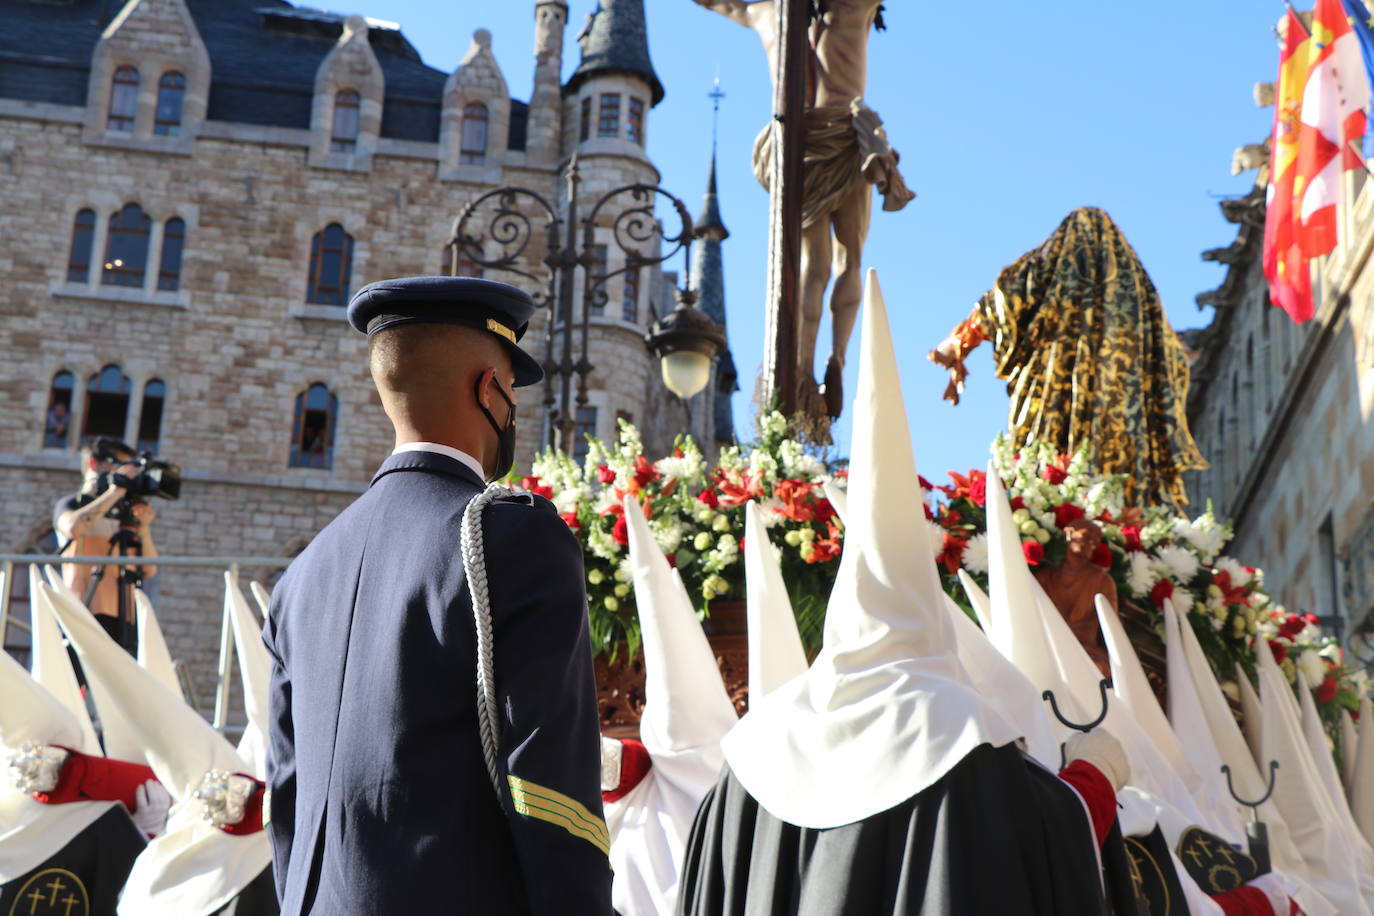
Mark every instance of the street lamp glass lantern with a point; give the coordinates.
(685, 372)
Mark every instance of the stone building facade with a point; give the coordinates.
(1283, 413)
(189, 192)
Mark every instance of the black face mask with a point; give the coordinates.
(505, 449)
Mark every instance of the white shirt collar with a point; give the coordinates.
(438, 449)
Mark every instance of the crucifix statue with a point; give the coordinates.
(845, 152)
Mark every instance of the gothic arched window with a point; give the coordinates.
(107, 404)
(312, 431)
(83, 238)
(58, 420)
(331, 266)
(150, 415)
(171, 92)
(123, 99)
(169, 268)
(126, 249)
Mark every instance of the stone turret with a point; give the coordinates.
(708, 278)
(616, 40)
(550, 18)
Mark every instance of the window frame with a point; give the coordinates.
(630, 303)
(144, 443)
(54, 387)
(345, 100)
(113, 269)
(608, 115)
(173, 81)
(78, 272)
(634, 120)
(296, 457)
(169, 275)
(316, 292)
(117, 118)
(124, 388)
(584, 129)
(479, 116)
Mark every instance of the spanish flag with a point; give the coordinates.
(1290, 283)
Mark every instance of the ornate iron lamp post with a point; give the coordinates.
(496, 231)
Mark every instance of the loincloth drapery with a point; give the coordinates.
(845, 146)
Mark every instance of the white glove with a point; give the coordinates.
(1100, 749)
(151, 804)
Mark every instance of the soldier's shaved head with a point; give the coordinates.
(426, 374)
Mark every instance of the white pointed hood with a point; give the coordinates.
(686, 712)
(886, 709)
(1350, 755)
(839, 500)
(1334, 864)
(152, 647)
(1250, 711)
(52, 667)
(1362, 788)
(31, 832)
(1001, 682)
(1194, 735)
(193, 868)
(116, 734)
(1245, 772)
(775, 647)
(979, 601)
(1315, 734)
(1033, 622)
(255, 668)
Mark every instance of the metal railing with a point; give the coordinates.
(226, 637)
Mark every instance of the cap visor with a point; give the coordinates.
(527, 369)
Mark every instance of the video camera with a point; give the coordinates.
(154, 478)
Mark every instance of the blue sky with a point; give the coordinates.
(1007, 116)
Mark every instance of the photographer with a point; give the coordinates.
(91, 522)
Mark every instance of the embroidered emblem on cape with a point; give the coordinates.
(1215, 864)
(52, 892)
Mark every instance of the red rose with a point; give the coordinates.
(605, 474)
(824, 510)
(1102, 556)
(1054, 475)
(1163, 590)
(1067, 513)
(741, 543)
(570, 519)
(533, 485)
(615, 508)
(950, 517)
(1312, 619)
(1034, 552)
(1292, 626)
(1325, 691)
(1279, 649)
(672, 560)
(708, 496)
(621, 530)
(1017, 503)
(1131, 534)
(978, 490)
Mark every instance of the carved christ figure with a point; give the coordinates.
(1074, 588)
(846, 152)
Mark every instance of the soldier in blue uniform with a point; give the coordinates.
(434, 743)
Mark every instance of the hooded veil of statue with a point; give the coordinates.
(1079, 334)
(880, 780)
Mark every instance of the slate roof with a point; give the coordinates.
(263, 58)
(616, 40)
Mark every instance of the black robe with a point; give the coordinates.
(259, 898)
(996, 834)
(84, 877)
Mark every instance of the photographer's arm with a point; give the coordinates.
(145, 514)
(76, 522)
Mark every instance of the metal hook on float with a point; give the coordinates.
(1048, 695)
(1256, 833)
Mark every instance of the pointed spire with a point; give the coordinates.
(616, 40)
(710, 225)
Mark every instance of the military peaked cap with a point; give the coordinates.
(498, 308)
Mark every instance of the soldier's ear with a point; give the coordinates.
(484, 382)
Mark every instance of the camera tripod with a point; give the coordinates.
(126, 543)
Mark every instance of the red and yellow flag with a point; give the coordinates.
(1290, 283)
(1332, 122)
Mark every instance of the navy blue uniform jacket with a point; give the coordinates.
(380, 800)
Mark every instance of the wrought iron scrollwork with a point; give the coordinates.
(496, 220)
(637, 232)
